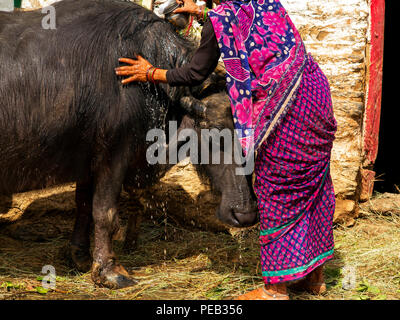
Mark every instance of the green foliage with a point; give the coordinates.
(216, 293)
(41, 290)
(368, 292)
(332, 274)
(9, 285)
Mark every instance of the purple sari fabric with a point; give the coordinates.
(264, 58)
(293, 185)
(281, 104)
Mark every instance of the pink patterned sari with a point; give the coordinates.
(282, 109)
(264, 58)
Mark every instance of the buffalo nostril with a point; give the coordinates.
(227, 216)
(246, 219)
(237, 219)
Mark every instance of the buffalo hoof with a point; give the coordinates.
(81, 258)
(111, 276)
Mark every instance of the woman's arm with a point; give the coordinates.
(203, 63)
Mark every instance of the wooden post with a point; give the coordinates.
(373, 94)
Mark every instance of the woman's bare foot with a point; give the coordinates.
(313, 282)
(268, 292)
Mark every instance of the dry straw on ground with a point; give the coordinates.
(178, 259)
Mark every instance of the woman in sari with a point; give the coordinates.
(281, 103)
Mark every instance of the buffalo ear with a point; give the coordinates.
(193, 106)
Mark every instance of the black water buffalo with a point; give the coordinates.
(64, 116)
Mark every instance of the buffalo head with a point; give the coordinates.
(211, 118)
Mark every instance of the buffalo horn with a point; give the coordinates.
(193, 106)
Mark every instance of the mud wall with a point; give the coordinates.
(336, 34)
(34, 4)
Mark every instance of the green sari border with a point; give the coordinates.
(273, 230)
(298, 269)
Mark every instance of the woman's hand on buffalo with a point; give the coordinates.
(138, 70)
(189, 6)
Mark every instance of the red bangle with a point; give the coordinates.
(152, 75)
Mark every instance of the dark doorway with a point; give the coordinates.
(387, 165)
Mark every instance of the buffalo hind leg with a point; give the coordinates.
(80, 241)
(132, 232)
(106, 272)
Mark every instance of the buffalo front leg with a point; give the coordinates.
(80, 241)
(106, 271)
